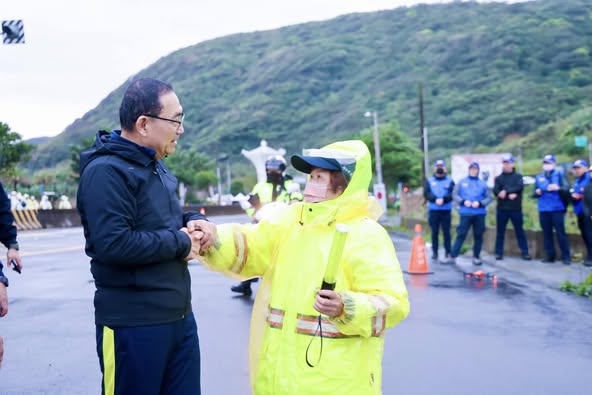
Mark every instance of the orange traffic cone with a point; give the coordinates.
(202, 211)
(418, 264)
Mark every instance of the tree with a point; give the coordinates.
(12, 150)
(75, 150)
(189, 167)
(401, 159)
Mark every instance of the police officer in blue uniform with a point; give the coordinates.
(437, 191)
(552, 209)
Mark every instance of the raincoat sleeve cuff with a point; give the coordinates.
(368, 314)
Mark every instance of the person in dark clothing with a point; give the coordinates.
(437, 191)
(139, 242)
(552, 209)
(587, 209)
(8, 236)
(508, 188)
(580, 168)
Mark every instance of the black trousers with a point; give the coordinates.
(440, 219)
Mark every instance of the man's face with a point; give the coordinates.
(548, 166)
(473, 171)
(507, 167)
(162, 135)
(274, 175)
(579, 170)
(440, 170)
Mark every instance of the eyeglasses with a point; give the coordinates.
(179, 123)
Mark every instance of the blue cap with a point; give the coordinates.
(440, 162)
(580, 163)
(305, 164)
(549, 158)
(474, 164)
(507, 158)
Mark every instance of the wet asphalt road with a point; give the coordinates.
(462, 336)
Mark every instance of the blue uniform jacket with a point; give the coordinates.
(578, 187)
(436, 188)
(472, 189)
(548, 201)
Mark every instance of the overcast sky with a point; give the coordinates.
(78, 51)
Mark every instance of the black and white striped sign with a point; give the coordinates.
(13, 32)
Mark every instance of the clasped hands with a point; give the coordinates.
(474, 204)
(202, 234)
(503, 194)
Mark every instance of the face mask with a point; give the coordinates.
(548, 166)
(315, 192)
(274, 178)
(440, 171)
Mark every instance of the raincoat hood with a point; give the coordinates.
(355, 162)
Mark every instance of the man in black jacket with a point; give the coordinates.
(508, 190)
(587, 209)
(139, 242)
(8, 238)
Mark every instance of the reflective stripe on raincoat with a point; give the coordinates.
(290, 252)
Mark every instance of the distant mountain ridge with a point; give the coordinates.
(488, 70)
(37, 140)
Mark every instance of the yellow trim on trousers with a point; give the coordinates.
(108, 361)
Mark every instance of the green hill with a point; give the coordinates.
(488, 71)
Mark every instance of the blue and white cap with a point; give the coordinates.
(549, 158)
(507, 158)
(580, 163)
(439, 162)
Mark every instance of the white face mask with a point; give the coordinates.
(548, 166)
(315, 192)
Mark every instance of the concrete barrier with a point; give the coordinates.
(37, 219)
(536, 245)
(26, 219)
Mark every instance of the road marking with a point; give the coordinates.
(53, 251)
(48, 233)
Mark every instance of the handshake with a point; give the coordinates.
(202, 234)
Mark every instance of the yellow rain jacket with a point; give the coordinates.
(290, 252)
(265, 192)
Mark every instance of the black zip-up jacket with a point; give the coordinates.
(587, 199)
(131, 217)
(7, 228)
(511, 183)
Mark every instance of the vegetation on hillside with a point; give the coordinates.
(496, 77)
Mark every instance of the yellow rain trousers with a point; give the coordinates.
(290, 252)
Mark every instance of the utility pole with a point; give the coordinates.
(421, 133)
(379, 187)
(377, 156)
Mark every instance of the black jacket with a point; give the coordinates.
(587, 199)
(7, 228)
(131, 217)
(511, 183)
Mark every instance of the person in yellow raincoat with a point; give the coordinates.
(277, 190)
(305, 340)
